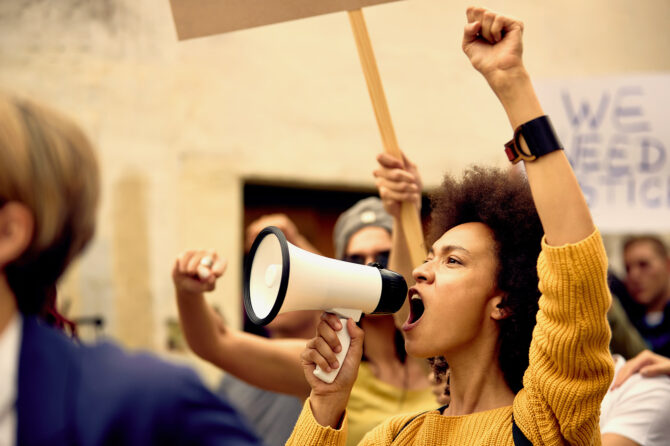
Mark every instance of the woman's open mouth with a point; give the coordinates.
(416, 309)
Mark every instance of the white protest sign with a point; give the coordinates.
(616, 132)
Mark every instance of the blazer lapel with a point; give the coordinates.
(47, 371)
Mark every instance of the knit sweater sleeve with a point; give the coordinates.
(570, 367)
(308, 432)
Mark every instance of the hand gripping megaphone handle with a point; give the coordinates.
(345, 341)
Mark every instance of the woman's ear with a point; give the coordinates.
(498, 312)
(17, 225)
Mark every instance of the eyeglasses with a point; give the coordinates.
(381, 258)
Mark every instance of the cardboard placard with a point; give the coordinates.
(198, 18)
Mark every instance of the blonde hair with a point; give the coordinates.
(47, 164)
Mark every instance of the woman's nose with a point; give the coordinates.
(422, 273)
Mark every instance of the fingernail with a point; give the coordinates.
(334, 365)
(338, 349)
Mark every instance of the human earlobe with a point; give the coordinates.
(499, 312)
(16, 231)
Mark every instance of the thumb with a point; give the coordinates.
(219, 267)
(470, 32)
(406, 161)
(175, 269)
(389, 161)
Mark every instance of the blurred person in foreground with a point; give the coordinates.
(53, 390)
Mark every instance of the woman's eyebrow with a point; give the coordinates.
(448, 248)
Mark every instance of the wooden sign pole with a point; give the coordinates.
(197, 18)
(409, 215)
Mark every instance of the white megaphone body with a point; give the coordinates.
(281, 277)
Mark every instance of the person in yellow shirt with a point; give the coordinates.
(388, 383)
(513, 292)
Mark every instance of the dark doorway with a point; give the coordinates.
(314, 209)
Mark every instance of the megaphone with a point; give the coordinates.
(281, 277)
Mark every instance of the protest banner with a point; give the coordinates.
(616, 134)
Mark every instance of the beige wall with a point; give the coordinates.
(179, 125)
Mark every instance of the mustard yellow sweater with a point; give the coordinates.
(569, 373)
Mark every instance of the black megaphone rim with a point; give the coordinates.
(283, 284)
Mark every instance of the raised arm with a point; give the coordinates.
(570, 366)
(266, 363)
(493, 43)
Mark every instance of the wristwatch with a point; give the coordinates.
(540, 138)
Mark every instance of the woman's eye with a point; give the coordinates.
(453, 260)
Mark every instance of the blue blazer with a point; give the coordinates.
(71, 394)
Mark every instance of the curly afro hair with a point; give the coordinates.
(503, 202)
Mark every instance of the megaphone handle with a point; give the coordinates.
(345, 340)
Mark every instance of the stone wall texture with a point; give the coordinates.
(180, 126)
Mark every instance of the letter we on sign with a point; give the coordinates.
(198, 18)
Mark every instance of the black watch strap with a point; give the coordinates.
(540, 138)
